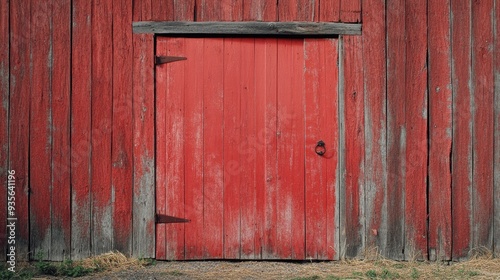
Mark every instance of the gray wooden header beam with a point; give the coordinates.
(256, 28)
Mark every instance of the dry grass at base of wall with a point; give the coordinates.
(115, 265)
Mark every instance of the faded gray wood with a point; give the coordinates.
(341, 180)
(325, 29)
(496, 163)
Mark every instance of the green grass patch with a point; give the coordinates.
(314, 277)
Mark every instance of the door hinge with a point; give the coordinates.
(167, 59)
(165, 219)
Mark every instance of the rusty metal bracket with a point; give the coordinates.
(165, 219)
(167, 59)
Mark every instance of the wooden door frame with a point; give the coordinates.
(247, 28)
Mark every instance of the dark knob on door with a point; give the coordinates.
(320, 148)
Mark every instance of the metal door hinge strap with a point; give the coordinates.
(165, 219)
(167, 59)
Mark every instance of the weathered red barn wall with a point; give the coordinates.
(420, 122)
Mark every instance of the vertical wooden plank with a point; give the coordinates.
(340, 237)
(329, 10)
(391, 243)
(258, 142)
(354, 147)
(231, 10)
(248, 152)
(374, 57)
(213, 151)
(287, 10)
(231, 142)
(121, 146)
(482, 126)
(102, 197)
(440, 130)
(144, 147)
(246, 149)
(174, 144)
(462, 133)
(40, 139)
(262, 77)
(184, 10)
(4, 116)
(350, 11)
(496, 182)
(162, 10)
(297, 10)
(81, 129)
(286, 117)
(162, 85)
(296, 158)
(330, 84)
(416, 121)
(290, 230)
(19, 101)
(321, 78)
(259, 10)
(193, 149)
(208, 10)
(307, 10)
(61, 157)
(265, 87)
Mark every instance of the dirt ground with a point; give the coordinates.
(116, 266)
(379, 269)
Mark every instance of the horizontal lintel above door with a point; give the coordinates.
(253, 28)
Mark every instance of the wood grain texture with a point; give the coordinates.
(329, 10)
(496, 176)
(482, 125)
(193, 150)
(163, 10)
(174, 142)
(287, 10)
(264, 78)
(374, 57)
(246, 149)
(462, 133)
(392, 244)
(440, 131)
(231, 10)
(259, 10)
(61, 149)
(354, 147)
(143, 107)
(296, 151)
(284, 202)
(321, 123)
(161, 130)
(102, 198)
(122, 136)
(297, 10)
(266, 82)
(296, 28)
(231, 142)
(40, 140)
(81, 127)
(4, 123)
(290, 219)
(19, 100)
(208, 10)
(350, 11)
(416, 133)
(213, 153)
(184, 10)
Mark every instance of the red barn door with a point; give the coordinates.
(237, 130)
